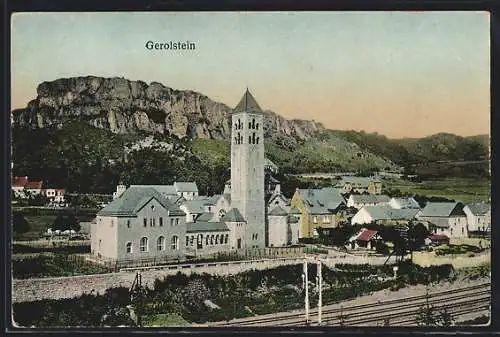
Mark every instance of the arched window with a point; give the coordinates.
(249, 125)
(253, 138)
(253, 123)
(257, 140)
(191, 240)
(227, 238)
(249, 140)
(257, 126)
(212, 239)
(217, 239)
(239, 124)
(160, 243)
(143, 246)
(187, 240)
(129, 247)
(174, 242)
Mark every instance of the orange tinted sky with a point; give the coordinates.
(395, 73)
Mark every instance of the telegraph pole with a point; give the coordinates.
(306, 287)
(320, 286)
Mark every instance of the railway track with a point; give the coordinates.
(397, 312)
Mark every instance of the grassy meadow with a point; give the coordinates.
(459, 189)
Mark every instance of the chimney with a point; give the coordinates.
(119, 190)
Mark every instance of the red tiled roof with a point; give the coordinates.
(33, 185)
(366, 235)
(19, 181)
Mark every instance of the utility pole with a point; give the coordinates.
(320, 286)
(306, 287)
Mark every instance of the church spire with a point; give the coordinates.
(247, 104)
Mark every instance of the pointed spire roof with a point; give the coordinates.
(247, 104)
(233, 215)
(278, 211)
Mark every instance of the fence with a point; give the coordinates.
(249, 254)
(40, 246)
(52, 243)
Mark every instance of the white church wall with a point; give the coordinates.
(278, 231)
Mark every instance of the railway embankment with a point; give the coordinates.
(362, 311)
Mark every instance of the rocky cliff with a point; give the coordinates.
(129, 107)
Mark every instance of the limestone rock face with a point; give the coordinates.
(128, 107)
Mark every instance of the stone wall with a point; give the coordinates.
(67, 287)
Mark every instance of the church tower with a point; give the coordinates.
(247, 168)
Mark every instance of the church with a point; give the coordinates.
(173, 221)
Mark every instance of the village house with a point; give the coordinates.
(33, 187)
(365, 238)
(384, 215)
(478, 217)
(359, 185)
(445, 218)
(55, 195)
(319, 208)
(23, 187)
(361, 200)
(186, 190)
(18, 184)
(400, 203)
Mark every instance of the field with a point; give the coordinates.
(459, 189)
(41, 219)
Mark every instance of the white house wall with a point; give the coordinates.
(477, 222)
(294, 229)
(104, 241)
(456, 227)
(361, 217)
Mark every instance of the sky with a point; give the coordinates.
(401, 74)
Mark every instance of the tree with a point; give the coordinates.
(417, 233)
(65, 222)
(19, 223)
